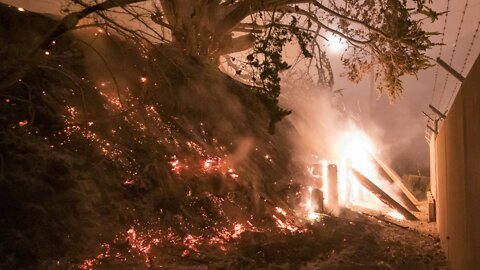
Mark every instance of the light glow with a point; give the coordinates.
(354, 150)
(336, 44)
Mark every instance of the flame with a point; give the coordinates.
(311, 214)
(354, 150)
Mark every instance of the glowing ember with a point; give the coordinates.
(175, 164)
(282, 224)
(128, 182)
(231, 173)
(23, 123)
(280, 211)
(238, 229)
(287, 225)
(90, 263)
(87, 264)
(207, 164)
(190, 242)
(140, 244)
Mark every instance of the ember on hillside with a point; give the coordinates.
(139, 134)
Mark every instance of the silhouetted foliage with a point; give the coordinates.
(385, 35)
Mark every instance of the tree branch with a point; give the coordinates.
(318, 22)
(341, 16)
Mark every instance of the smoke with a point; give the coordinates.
(328, 131)
(321, 120)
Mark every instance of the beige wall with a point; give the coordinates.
(457, 158)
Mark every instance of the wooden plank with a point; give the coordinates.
(332, 186)
(405, 199)
(384, 197)
(431, 207)
(317, 200)
(395, 177)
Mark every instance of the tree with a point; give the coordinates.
(386, 34)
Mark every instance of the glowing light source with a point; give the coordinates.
(354, 150)
(336, 44)
(21, 9)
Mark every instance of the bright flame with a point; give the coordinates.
(354, 151)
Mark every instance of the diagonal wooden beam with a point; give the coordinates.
(384, 197)
(396, 178)
(406, 197)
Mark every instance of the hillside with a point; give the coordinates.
(118, 158)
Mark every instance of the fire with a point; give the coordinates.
(354, 151)
(311, 214)
(285, 223)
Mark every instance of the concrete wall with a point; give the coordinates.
(457, 172)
